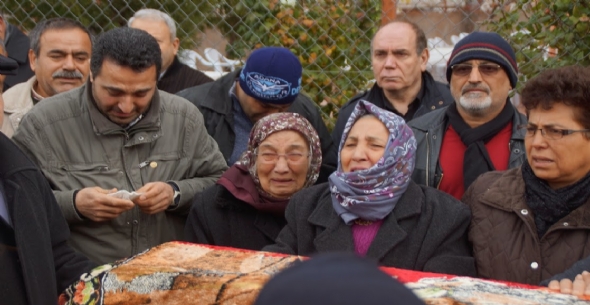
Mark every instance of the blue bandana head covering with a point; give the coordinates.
(371, 194)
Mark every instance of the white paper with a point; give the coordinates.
(123, 194)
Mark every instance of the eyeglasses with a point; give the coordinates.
(268, 157)
(550, 133)
(485, 69)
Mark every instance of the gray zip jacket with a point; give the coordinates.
(76, 146)
(429, 130)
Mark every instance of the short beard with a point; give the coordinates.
(475, 106)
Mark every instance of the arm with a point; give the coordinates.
(69, 264)
(579, 287)
(207, 163)
(571, 273)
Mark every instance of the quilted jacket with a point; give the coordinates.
(506, 245)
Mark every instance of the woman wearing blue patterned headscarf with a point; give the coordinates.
(372, 207)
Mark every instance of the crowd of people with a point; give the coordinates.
(110, 146)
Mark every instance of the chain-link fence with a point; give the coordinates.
(332, 37)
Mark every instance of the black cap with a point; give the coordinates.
(7, 66)
(335, 279)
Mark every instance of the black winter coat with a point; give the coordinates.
(47, 264)
(180, 76)
(427, 231)
(215, 104)
(218, 218)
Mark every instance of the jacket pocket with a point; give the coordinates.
(78, 176)
(163, 168)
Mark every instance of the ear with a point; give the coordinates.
(32, 59)
(424, 57)
(175, 45)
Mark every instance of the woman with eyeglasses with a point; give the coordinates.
(533, 222)
(371, 206)
(245, 208)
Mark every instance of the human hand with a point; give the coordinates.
(94, 204)
(155, 197)
(579, 287)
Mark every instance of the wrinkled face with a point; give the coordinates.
(364, 145)
(560, 162)
(479, 94)
(286, 175)
(254, 109)
(122, 94)
(160, 31)
(63, 62)
(396, 63)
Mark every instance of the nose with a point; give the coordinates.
(281, 166)
(538, 139)
(390, 61)
(359, 154)
(475, 76)
(68, 63)
(126, 104)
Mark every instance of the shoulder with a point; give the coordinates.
(504, 183)
(304, 105)
(59, 107)
(12, 159)
(428, 121)
(442, 202)
(192, 94)
(309, 198)
(13, 97)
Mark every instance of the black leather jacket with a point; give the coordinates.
(429, 130)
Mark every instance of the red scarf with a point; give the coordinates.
(238, 182)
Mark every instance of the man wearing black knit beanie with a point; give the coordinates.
(479, 131)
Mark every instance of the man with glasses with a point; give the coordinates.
(479, 131)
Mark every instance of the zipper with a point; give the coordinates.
(427, 158)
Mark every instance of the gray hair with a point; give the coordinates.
(59, 23)
(155, 15)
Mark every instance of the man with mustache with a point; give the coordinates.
(60, 57)
(478, 132)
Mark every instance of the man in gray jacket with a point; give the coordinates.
(118, 132)
(479, 132)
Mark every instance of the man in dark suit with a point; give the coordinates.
(36, 262)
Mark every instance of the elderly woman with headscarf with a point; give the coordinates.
(533, 222)
(245, 208)
(370, 205)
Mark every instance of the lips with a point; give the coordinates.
(281, 181)
(357, 168)
(538, 161)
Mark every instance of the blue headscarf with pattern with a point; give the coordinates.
(371, 194)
